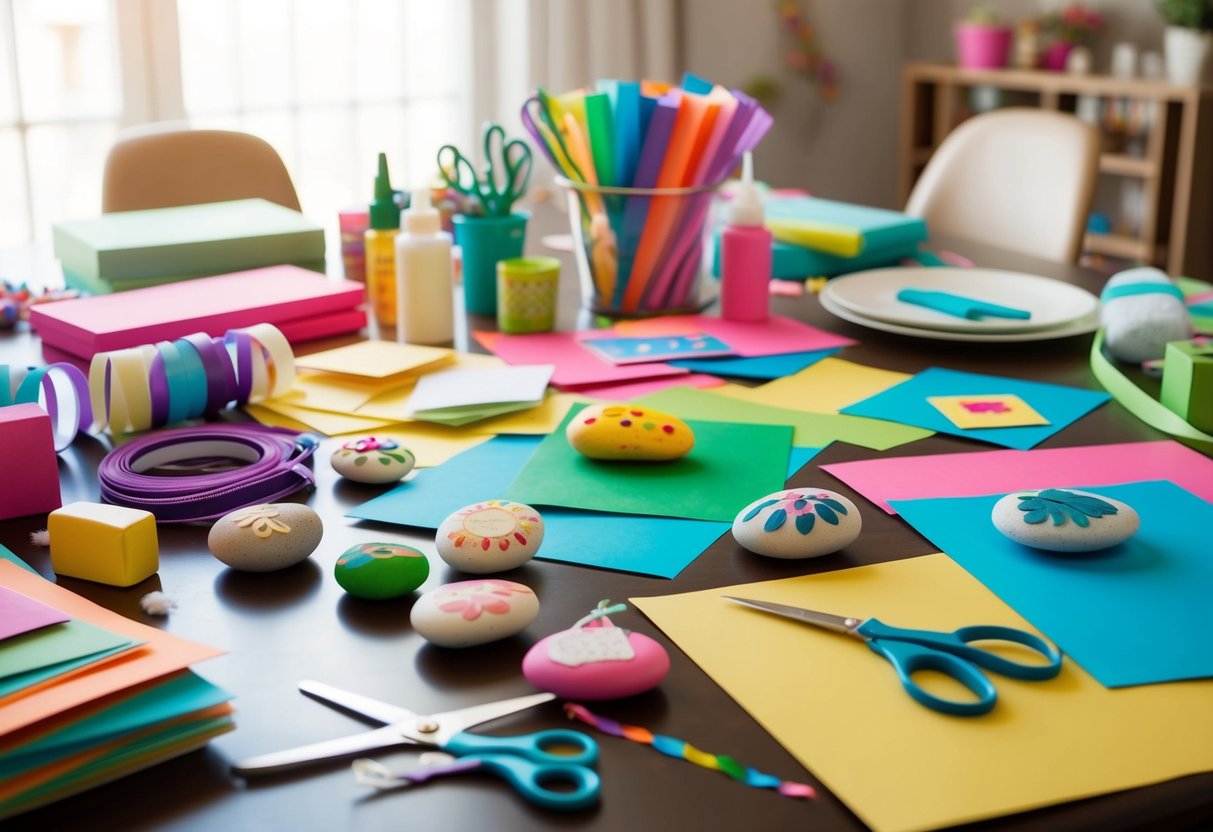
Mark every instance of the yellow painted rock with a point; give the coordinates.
(629, 432)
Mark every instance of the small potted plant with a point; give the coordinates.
(1073, 25)
(1187, 40)
(983, 40)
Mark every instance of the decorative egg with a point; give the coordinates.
(266, 537)
(798, 523)
(467, 613)
(1064, 520)
(490, 536)
(594, 662)
(374, 460)
(381, 570)
(629, 432)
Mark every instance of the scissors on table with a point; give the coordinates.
(527, 761)
(949, 653)
(506, 162)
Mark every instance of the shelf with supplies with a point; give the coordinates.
(1161, 158)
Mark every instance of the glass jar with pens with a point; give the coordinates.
(641, 251)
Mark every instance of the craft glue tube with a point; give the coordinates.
(745, 255)
(381, 249)
(424, 305)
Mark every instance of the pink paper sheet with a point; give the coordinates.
(19, 614)
(575, 365)
(993, 472)
(774, 336)
(631, 390)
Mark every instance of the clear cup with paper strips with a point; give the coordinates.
(641, 251)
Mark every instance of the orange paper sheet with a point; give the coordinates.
(160, 654)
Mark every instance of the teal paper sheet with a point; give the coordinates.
(1135, 614)
(764, 367)
(907, 403)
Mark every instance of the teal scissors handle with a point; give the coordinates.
(537, 747)
(514, 161)
(458, 172)
(907, 659)
(578, 786)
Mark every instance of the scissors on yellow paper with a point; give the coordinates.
(528, 762)
(506, 175)
(949, 653)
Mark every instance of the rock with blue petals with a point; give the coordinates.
(1064, 520)
(798, 523)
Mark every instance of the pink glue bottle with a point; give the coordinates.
(745, 255)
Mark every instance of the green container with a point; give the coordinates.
(526, 294)
(484, 241)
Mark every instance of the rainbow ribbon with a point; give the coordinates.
(682, 750)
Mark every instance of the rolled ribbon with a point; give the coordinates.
(59, 389)
(274, 467)
(193, 377)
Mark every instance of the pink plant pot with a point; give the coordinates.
(982, 47)
(1056, 55)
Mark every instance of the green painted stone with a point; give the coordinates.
(381, 570)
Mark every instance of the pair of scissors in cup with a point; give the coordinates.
(528, 762)
(949, 653)
(506, 162)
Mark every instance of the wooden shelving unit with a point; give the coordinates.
(1175, 166)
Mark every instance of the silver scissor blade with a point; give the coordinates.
(384, 737)
(451, 723)
(356, 703)
(837, 623)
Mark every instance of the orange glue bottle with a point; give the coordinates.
(745, 255)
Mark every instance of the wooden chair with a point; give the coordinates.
(1021, 179)
(165, 165)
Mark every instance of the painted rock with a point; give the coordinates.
(468, 613)
(381, 570)
(798, 523)
(265, 538)
(1064, 520)
(595, 662)
(629, 432)
(491, 536)
(374, 460)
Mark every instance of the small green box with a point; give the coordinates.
(1187, 382)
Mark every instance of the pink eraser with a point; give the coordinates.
(27, 446)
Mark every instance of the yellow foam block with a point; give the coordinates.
(108, 544)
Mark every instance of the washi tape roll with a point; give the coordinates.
(153, 385)
(59, 389)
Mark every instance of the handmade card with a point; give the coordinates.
(839, 709)
(993, 410)
(729, 464)
(638, 350)
(907, 403)
(1102, 608)
(759, 367)
(1001, 472)
(457, 397)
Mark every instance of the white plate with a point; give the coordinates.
(873, 295)
(1082, 326)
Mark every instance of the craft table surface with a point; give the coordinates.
(280, 628)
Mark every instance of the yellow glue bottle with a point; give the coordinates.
(381, 249)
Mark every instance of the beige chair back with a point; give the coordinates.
(161, 166)
(1020, 179)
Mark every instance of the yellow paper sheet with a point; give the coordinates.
(538, 421)
(840, 710)
(338, 394)
(279, 414)
(377, 359)
(825, 387)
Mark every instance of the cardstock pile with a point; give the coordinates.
(87, 695)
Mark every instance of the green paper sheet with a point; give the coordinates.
(730, 466)
(810, 429)
(459, 416)
(54, 645)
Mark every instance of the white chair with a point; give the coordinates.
(165, 165)
(1020, 179)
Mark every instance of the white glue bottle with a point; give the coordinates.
(424, 304)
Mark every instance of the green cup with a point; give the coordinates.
(526, 294)
(484, 241)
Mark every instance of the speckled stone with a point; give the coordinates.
(490, 536)
(381, 570)
(468, 613)
(1064, 520)
(798, 523)
(373, 460)
(267, 537)
(629, 432)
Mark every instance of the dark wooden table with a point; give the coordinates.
(281, 627)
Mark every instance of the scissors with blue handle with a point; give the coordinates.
(506, 176)
(949, 653)
(528, 762)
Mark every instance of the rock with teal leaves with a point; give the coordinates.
(1064, 520)
(798, 523)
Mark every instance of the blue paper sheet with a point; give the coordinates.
(907, 403)
(1135, 614)
(765, 367)
(659, 546)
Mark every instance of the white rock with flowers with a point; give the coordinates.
(267, 537)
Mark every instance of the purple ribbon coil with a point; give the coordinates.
(273, 468)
